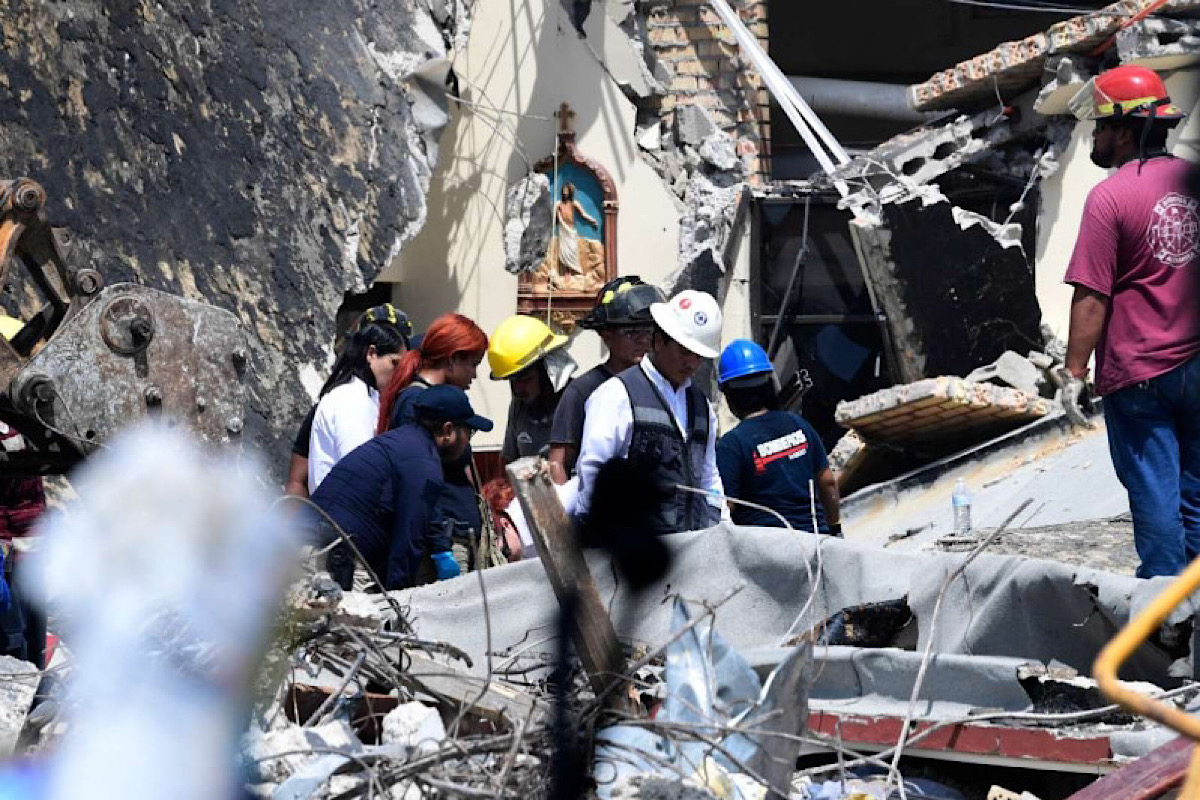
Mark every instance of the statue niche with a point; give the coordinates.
(581, 256)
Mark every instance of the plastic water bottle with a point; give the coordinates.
(962, 508)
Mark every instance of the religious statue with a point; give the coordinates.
(581, 255)
(575, 259)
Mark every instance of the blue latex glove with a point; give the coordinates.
(5, 595)
(447, 567)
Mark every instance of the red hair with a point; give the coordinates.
(498, 494)
(449, 335)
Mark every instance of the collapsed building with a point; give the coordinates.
(288, 166)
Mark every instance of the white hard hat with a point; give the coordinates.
(693, 319)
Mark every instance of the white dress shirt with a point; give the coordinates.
(346, 417)
(608, 432)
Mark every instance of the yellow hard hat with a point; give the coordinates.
(10, 326)
(518, 344)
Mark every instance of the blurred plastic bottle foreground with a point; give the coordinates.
(163, 579)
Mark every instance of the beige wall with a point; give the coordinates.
(1063, 195)
(522, 61)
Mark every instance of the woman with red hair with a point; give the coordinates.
(448, 352)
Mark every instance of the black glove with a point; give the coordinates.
(835, 529)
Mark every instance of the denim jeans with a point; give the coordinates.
(1154, 438)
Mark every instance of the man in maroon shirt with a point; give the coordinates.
(1137, 306)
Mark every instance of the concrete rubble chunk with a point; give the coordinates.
(1011, 369)
(414, 725)
(939, 408)
(527, 224)
(720, 151)
(265, 751)
(693, 125)
(1160, 44)
(847, 456)
(362, 608)
(1067, 74)
(18, 685)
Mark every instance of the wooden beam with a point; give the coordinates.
(593, 633)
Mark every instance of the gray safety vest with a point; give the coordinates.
(659, 447)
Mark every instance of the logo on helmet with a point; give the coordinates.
(700, 318)
(685, 303)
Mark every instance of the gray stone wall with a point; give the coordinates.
(266, 156)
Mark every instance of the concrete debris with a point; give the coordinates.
(990, 287)
(1160, 44)
(413, 725)
(528, 223)
(1014, 67)
(693, 125)
(273, 756)
(18, 686)
(939, 408)
(1067, 74)
(720, 151)
(1012, 369)
(846, 457)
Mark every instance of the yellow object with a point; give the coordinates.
(1117, 651)
(518, 344)
(10, 326)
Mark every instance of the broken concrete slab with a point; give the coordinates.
(18, 686)
(1006, 70)
(1160, 44)
(1011, 369)
(1068, 75)
(846, 457)
(919, 262)
(939, 408)
(693, 125)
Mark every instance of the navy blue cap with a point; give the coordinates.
(450, 403)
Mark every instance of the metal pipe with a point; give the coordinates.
(869, 99)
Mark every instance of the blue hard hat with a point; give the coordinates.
(740, 358)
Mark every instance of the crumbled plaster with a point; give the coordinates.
(528, 224)
(1160, 44)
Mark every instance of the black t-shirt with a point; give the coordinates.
(568, 419)
(528, 430)
(300, 446)
(769, 460)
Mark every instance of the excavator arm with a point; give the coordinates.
(94, 359)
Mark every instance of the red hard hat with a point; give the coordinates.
(1132, 91)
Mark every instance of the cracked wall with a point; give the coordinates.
(681, 159)
(262, 155)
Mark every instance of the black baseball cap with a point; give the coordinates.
(450, 403)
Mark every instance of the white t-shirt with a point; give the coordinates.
(345, 418)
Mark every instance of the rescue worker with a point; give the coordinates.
(534, 361)
(773, 458)
(449, 352)
(297, 480)
(1137, 284)
(622, 318)
(656, 417)
(349, 400)
(385, 494)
